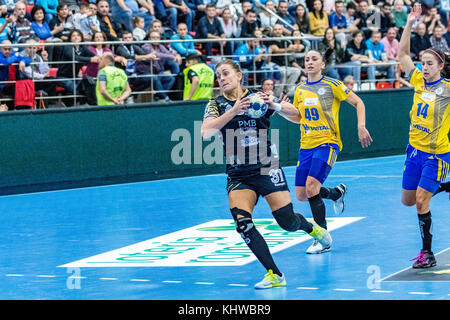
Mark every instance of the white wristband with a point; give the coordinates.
(277, 107)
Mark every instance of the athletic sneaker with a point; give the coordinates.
(271, 280)
(317, 248)
(322, 240)
(425, 259)
(339, 204)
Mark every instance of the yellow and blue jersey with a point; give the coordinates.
(319, 103)
(430, 115)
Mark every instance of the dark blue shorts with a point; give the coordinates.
(424, 170)
(316, 162)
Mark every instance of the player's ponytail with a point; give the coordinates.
(446, 71)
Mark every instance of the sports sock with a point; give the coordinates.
(425, 223)
(318, 210)
(444, 186)
(260, 249)
(330, 193)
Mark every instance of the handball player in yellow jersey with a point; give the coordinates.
(247, 181)
(318, 101)
(428, 152)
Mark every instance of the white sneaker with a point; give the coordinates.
(317, 248)
(322, 240)
(271, 280)
(339, 204)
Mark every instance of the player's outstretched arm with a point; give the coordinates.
(404, 46)
(284, 108)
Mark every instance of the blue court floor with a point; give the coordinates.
(42, 232)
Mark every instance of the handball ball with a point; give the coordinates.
(257, 108)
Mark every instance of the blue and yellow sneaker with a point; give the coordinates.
(271, 280)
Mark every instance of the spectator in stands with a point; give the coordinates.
(301, 19)
(123, 12)
(378, 55)
(249, 24)
(90, 23)
(400, 15)
(109, 26)
(49, 8)
(139, 32)
(318, 19)
(20, 29)
(437, 41)
(93, 67)
(249, 60)
(283, 59)
(362, 21)
(112, 84)
(197, 7)
(335, 54)
(433, 19)
(60, 23)
(135, 56)
(38, 70)
(289, 20)
(228, 24)
(209, 27)
(359, 53)
(76, 18)
(39, 25)
(386, 18)
(4, 21)
(168, 16)
(198, 79)
(298, 48)
(349, 82)
(165, 61)
(68, 71)
(391, 44)
(391, 47)
(420, 42)
(183, 13)
(8, 57)
(350, 14)
(338, 21)
(183, 48)
(266, 18)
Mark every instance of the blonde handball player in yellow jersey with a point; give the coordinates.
(428, 154)
(318, 101)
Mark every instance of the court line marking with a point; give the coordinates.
(393, 274)
(171, 281)
(140, 280)
(391, 159)
(205, 283)
(45, 276)
(14, 275)
(108, 279)
(238, 285)
(420, 293)
(307, 288)
(381, 291)
(345, 290)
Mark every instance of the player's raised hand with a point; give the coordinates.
(414, 15)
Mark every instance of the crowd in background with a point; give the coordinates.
(358, 38)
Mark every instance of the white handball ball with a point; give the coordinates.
(257, 108)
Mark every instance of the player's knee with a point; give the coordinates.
(301, 196)
(244, 222)
(407, 201)
(312, 188)
(422, 203)
(286, 218)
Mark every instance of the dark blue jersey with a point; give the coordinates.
(246, 143)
